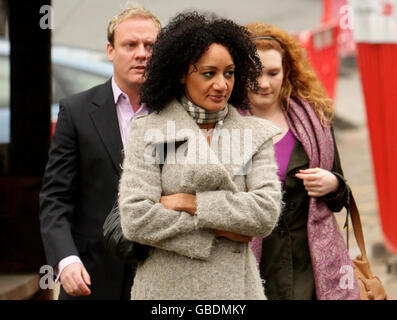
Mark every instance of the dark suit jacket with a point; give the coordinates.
(80, 186)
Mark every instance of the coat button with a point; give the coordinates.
(292, 205)
(283, 233)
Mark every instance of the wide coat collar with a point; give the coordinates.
(232, 147)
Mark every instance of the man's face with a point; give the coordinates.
(133, 42)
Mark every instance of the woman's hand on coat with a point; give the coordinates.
(232, 236)
(180, 202)
(318, 182)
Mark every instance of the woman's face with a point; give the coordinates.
(270, 82)
(209, 83)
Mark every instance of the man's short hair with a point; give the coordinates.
(127, 13)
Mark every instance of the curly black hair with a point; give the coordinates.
(182, 42)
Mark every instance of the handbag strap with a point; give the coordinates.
(357, 227)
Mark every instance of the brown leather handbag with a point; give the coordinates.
(371, 287)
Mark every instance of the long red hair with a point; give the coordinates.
(300, 79)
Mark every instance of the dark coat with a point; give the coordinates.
(80, 187)
(285, 263)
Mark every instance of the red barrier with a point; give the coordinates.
(53, 124)
(378, 69)
(338, 10)
(322, 49)
(329, 10)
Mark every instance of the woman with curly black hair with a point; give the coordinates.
(199, 208)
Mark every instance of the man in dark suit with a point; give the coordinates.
(80, 184)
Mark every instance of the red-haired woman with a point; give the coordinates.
(305, 257)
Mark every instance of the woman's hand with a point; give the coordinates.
(232, 236)
(318, 182)
(180, 202)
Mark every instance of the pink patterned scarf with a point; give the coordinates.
(333, 270)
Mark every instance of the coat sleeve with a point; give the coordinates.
(251, 213)
(143, 218)
(58, 190)
(196, 244)
(187, 244)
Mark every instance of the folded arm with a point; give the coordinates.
(251, 213)
(144, 219)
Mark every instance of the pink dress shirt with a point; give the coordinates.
(125, 112)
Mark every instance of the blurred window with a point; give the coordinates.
(69, 81)
(4, 82)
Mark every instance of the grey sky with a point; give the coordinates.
(84, 22)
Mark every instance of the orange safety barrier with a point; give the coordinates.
(378, 69)
(321, 44)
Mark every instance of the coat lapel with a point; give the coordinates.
(246, 135)
(104, 117)
(242, 137)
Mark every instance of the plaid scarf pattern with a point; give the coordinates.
(201, 115)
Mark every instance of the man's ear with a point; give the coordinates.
(110, 51)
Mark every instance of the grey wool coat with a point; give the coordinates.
(186, 260)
